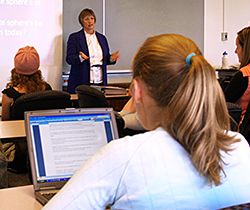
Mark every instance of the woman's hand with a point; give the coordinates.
(114, 56)
(85, 57)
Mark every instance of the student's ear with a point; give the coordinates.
(137, 90)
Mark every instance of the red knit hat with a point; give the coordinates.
(27, 61)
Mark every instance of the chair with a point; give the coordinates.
(90, 97)
(234, 111)
(245, 125)
(41, 100)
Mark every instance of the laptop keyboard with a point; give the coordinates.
(48, 195)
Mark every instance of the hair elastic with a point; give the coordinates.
(189, 57)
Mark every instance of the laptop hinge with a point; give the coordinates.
(48, 188)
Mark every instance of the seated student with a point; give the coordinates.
(187, 160)
(25, 78)
(238, 90)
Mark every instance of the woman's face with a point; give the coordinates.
(238, 50)
(89, 23)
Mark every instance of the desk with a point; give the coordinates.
(21, 198)
(74, 97)
(12, 129)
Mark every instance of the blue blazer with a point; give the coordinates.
(80, 71)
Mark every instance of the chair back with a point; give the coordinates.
(90, 97)
(41, 100)
(234, 111)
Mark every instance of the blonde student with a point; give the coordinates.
(187, 160)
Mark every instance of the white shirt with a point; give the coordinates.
(96, 57)
(152, 171)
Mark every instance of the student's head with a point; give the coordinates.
(174, 83)
(26, 61)
(26, 71)
(86, 13)
(243, 46)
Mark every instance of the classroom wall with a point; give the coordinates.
(231, 17)
(128, 23)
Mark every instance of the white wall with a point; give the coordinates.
(236, 16)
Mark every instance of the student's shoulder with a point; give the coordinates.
(241, 145)
(238, 157)
(238, 136)
(143, 139)
(11, 92)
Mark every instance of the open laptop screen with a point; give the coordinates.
(62, 141)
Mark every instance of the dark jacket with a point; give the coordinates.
(236, 87)
(80, 71)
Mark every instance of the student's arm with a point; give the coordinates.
(94, 186)
(236, 87)
(129, 106)
(131, 121)
(6, 104)
(130, 117)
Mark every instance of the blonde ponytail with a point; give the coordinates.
(188, 92)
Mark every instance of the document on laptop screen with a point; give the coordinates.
(61, 147)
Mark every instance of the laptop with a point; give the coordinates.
(60, 140)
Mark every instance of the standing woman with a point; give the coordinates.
(238, 90)
(88, 54)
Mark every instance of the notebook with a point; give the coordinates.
(59, 141)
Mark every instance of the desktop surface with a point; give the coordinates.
(12, 129)
(21, 198)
